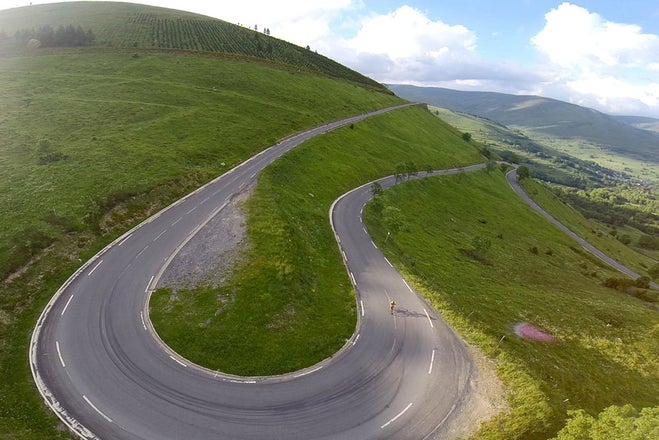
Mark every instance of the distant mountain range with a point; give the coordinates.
(628, 135)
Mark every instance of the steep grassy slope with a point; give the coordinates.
(132, 26)
(488, 262)
(546, 116)
(82, 131)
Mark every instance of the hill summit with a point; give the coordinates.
(139, 27)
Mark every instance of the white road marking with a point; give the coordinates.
(148, 286)
(397, 416)
(66, 305)
(142, 318)
(352, 277)
(177, 361)
(125, 239)
(142, 251)
(432, 361)
(408, 286)
(96, 409)
(95, 267)
(388, 262)
(160, 235)
(364, 229)
(191, 210)
(177, 220)
(429, 320)
(59, 354)
(356, 339)
(345, 258)
(308, 372)
(373, 244)
(361, 303)
(205, 200)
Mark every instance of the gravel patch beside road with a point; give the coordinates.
(208, 259)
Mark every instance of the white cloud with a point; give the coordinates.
(574, 36)
(404, 45)
(607, 65)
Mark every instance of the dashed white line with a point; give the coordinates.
(95, 267)
(408, 286)
(352, 277)
(66, 305)
(142, 318)
(96, 409)
(361, 303)
(432, 361)
(177, 361)
(356, 339)
(176, 221)
(429, 320)
(142, 251)
(160, 235)
(125, 239)
(397, 416)
(373, 244)
(364, 229)
(388, 262)
(191, 210)
(59, 354)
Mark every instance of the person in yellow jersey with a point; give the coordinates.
(392, 305)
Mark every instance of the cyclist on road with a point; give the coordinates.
(392, 304)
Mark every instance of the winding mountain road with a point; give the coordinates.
(102, 369)
(99, 365)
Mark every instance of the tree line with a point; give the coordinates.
(62, 36)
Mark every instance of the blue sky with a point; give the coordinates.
(602, 54)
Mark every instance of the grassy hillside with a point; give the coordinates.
(651, 124)
(487, 262)
(548, 117)
(620, 195)
(81, 132)
(92, 141)
(133, 26)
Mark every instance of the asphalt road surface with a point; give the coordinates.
(101, 368)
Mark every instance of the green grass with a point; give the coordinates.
(119, 125)
(290, 304)
(607, 346)
(124, 134)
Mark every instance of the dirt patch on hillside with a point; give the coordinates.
(486, 399)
